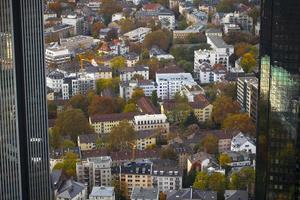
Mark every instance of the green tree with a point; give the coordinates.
(108, 8)
(191, 119)
(55, 139)
(121, 135)
(52, 110)
(168, 153)
(154, 98)
(79, 102)
(72, 122)
(225, 6)
(181, 109)
(210, 144)
(224, 159)
(127, 25)
(159, 38)
(117, 63)
(243, 179)
(248, 62)
(239, 122)
(130, 107)
(201, 181)
(137, 93)
(217, 182)
(112, 83)
(68, 144)
(68, 165)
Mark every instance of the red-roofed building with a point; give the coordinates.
(151, 7)
(146, 106)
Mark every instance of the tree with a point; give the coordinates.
(235, 37)
(181, 109)
(217, 182)
(117, 63)
(127, 25)
(224, 159)
(108, 8)
(120, 136)
(68, 164)
(79, 101)
(239, 122)
(159, 38)
(52, 110)
(96, 28)
(56, 7)
(55, 140)
(112, 83)
(119, 104)
(182, 24)
(201, 181)
(187, 66)
(223, 106)
(168, 153)
(111, 35)
(72, 122)
(225, 6)
(101, 105)
(137, 77)
(191, 119)
(210, 144)
(130, 107)
(243, 179)
(248, 62)
(241, 48)
(68, 144)
(154, 98)
(153, 65)
(137, 93)
(254, 13)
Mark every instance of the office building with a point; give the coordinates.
(24, 158)
(278, 148)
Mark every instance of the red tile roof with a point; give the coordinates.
(146, 106)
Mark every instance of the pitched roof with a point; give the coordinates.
(146, 106)
(144, 193)
(88, 138)
(112, 117)
(102, 191)
(70, 189)
(236, 195)
(190, 193)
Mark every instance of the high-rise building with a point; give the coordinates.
(278, 149)
(24, 163)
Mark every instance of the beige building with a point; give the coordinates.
(87, 141)
(103, 124)
(135, 174)
(105, 72)
(145, 139)
(151, 122)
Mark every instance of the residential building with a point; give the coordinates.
(184, 34)
(166, 175)
(102, 193)
(192, 194)
(140, 193)
(160, 54)
(55, 80)
(247, 95)
(213, 31)
(196, 17)
(218, 44)
(151, 122)
(145, 139)
(236, 194)
(137, 35)
(191, 91)
(171, 80)
(145, 106)
(117, 16)
(242, 142)
(206, 73)
(103, 124)
(94, 5)
(231, 28)
(105, 72)
(167, 19)
(82, 84)
(128, 73)
(202, 108)
(131, 59)
(57, 55)
(87, 141)
(224, 142)
(24, 155)
(71, 190)
(241, 19)
(56, 32)
(211, 57)
(127, 88)
(135, 174)
(76, 21)
(76, 42)
(94, 171)
(198, 161)
(239, 159)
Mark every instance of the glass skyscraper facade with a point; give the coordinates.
(24, 160)
(278, 149)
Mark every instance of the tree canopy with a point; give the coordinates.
(157, 38)
(239, 122)
(210, 144)
(222, 107)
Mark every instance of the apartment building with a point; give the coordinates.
(103, 124)
(78, 41)
(127, 88)
(57, 55)
(247, 95)
(76, 21)
(102, 193)
(87, 141)
(128, 73)
(241, 19)
(145, 139)
(137, 35)
(207, 73)
(151, 122)
(94, 171)
(211, 57)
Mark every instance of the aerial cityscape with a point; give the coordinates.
(149, 100)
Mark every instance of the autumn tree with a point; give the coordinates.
(56, 7)
(137, 77)
(210, 144)
(243, 179)
(127, 25)
(201, 181)
(224, 159)
(130, 107)
(121, 135)
(108, 8)
(68, 144)
(239, 122)
(117, 63)
(52, 110)
(241, 48)
(153, 65)
(72, 122)
(225, 6)
(137, 93)
(68, 165)
(223, 106)
(112, 83)
(168, 153)
(248, 62)
(101, 105)
(96, 28)
(157, 38)
(79, 101)
(254, 13)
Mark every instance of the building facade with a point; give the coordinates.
(24, 158)
(278, 149)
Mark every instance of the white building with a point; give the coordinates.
(206, 73)
(82, 84)
(94, 172)
(102, 193)
(94, 5)
(231, 28)
(117, 16)
(241, 19)
(127, 88)
(57, 55)
(128, 73)
(169, 83)
(75, 21)
(217, 43)
(55, 80)
(151, 122)
(167, 19)
(210, 56)
(241, 142)
(137, 35)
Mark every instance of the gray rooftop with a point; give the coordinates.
(102, 192)
(219, 42)
(144, 193)
(236, 195)
(189, 193)
(70, 189)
